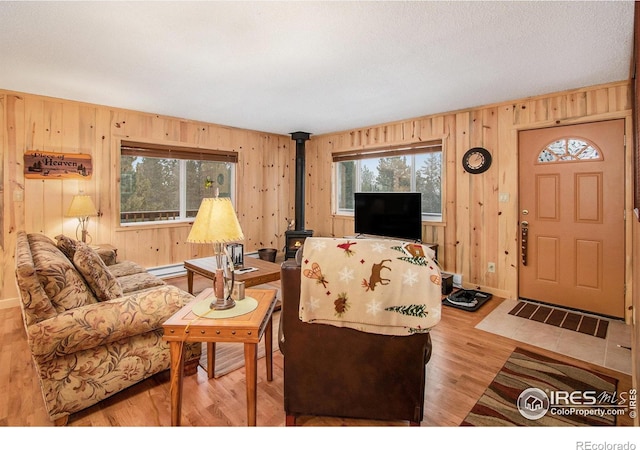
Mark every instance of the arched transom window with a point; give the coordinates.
(569, 149)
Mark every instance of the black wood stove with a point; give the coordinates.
(295, 238)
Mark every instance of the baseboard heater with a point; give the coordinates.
(169, 271)
(178, 270)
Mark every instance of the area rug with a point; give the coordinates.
(230, 356)
(524, 370)
(574, 321)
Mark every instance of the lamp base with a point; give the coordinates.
(222, 304)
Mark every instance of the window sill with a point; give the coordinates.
(153, 225)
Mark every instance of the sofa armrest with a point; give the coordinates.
(100, 323)
(290, 288)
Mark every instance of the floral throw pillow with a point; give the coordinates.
(103, 284)
(67, 245)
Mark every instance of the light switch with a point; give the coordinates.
(503, 197)
(18, 195)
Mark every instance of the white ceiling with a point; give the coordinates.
(310, 66)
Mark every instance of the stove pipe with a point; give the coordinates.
(300, 137)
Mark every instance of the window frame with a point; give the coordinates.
(180, 153)
(411, 150)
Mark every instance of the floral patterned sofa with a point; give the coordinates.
(94, 326)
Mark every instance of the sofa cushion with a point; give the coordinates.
(138, 282)
(103, 284)
(36, 304)
(125, 268)
(62, 283)
(38, 237)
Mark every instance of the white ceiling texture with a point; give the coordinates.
(312, 66)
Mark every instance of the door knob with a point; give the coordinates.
(525, 212)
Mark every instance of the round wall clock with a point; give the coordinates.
(476, 160)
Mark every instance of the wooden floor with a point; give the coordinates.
(464, 362)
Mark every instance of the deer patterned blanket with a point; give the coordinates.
(380, 286)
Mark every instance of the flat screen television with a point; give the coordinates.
(389, 214)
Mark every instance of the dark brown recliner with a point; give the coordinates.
(342, 372)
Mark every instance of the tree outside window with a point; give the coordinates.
(413, 172)
(158, 188)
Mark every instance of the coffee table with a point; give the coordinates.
(248, 329)
(267, 271)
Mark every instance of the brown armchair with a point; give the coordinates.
(343, 372)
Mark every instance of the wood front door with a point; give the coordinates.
(572, 216)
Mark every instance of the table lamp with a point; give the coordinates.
(82, 207)
(217, 223)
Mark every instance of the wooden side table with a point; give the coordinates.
(107, 252)
(206, 267)
(185, 326)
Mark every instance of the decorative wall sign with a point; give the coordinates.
(49, 165)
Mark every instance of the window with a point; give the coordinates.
(160, 183)
(413, 168)
(569, 149)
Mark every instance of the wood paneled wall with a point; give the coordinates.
(477, 228)
(31, 122)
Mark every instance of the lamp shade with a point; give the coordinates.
(216, 222)
(81, 206)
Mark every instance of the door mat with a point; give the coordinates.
(467, 299)
(569, 320)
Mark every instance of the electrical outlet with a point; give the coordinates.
(457, 280)
(491, 267)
